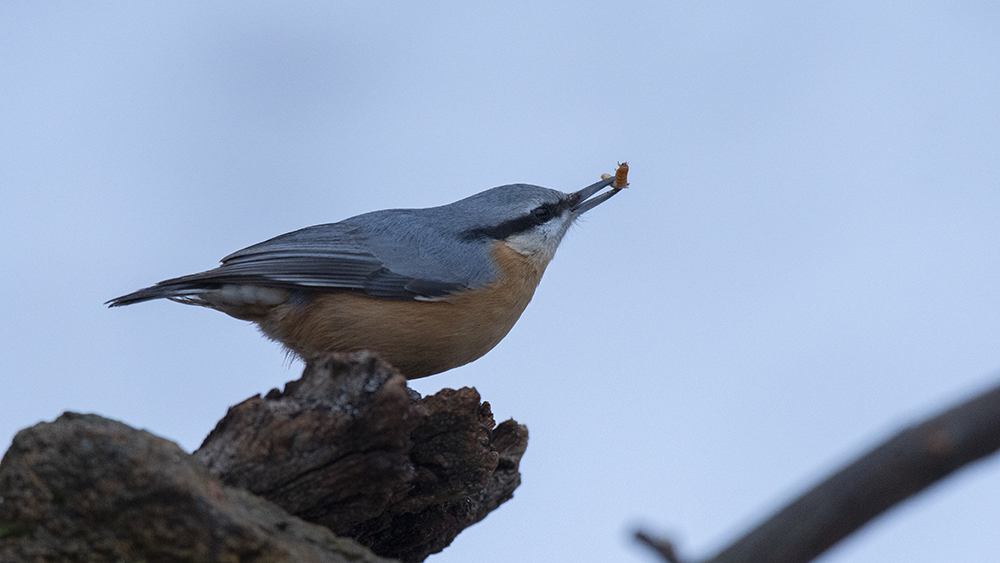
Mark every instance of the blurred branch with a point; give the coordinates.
(892, 472)
(664, 547)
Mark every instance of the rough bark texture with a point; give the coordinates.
(350, 447)
(85, 488)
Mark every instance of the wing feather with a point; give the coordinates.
(323, 258)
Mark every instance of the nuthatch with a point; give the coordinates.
(427, 289)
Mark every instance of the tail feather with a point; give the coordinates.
(162, 290)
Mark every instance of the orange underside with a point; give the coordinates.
(417, 337)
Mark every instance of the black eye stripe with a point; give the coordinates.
(542, 214)
(537, 216)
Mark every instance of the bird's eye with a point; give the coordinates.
(542, 214)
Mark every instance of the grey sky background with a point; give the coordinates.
(807, 258)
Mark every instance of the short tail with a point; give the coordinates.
(179, 291)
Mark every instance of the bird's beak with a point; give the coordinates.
(580, 202)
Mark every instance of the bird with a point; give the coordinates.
(426, 289)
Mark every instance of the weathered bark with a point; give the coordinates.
(350, 447)
(88, 489)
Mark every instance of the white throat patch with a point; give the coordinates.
(541, 242)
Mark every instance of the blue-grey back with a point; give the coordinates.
(394, 252)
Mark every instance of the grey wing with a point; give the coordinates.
(324, 258)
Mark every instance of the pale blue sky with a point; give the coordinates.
(808, 257)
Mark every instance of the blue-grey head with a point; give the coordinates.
(453, 239)
(530, 219)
